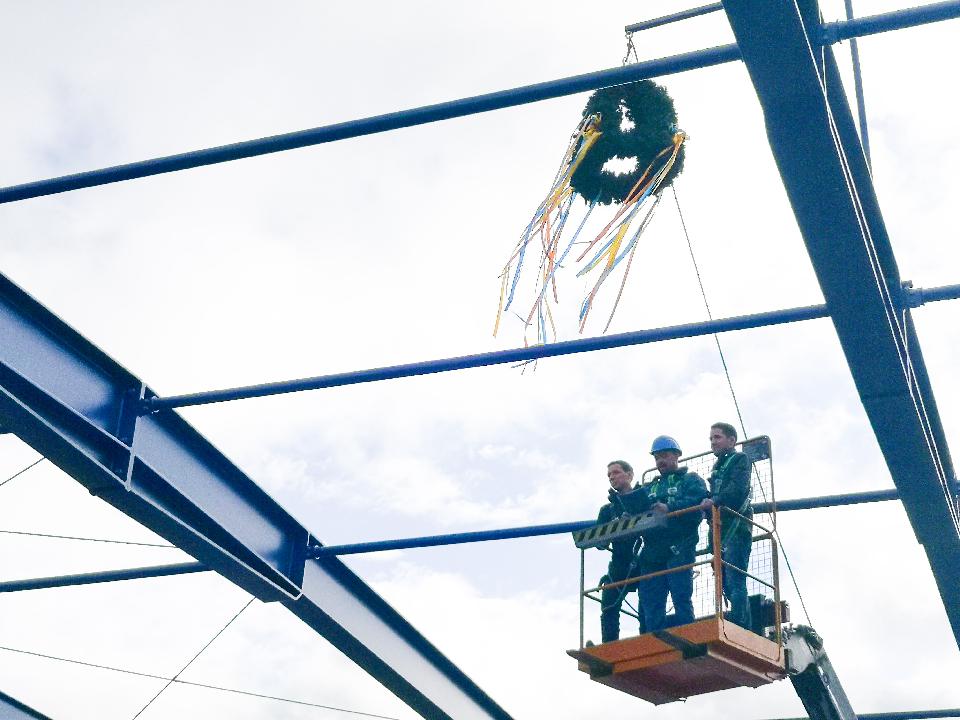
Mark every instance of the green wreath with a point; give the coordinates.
(650, 109)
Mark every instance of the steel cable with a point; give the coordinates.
(21, 472)
(733, 394)
(195, 684)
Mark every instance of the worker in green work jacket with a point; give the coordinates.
(730, 487)
(673, 546)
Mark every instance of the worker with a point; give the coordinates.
(625, 499)
(730, 487)
(675, 544)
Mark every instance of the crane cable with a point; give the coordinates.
(733, 394)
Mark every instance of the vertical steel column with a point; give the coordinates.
(858, 88)
(814, 141)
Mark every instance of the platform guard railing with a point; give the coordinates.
(709, 569)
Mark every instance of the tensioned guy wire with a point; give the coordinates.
(733, 394)
(21, 472)
(199, 653)
(88, 539)
(135, 673)
(68, 537)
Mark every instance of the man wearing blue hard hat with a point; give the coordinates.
(675, 545)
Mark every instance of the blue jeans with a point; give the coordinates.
(679, 585)
(736, 552)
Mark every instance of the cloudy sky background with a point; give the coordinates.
(386, 249)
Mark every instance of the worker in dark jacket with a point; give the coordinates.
(674, 545)
(625, 499)
(730, 487)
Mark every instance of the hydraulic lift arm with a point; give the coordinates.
(813, 676)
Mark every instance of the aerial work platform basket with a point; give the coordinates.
(706, 656)
(712, 653)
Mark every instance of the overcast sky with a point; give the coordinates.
(386, 249)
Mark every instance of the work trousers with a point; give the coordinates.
(678, 584)
(736, 553)
(610, 602)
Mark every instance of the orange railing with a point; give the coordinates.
(716, 563)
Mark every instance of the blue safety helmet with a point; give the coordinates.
(665, 442)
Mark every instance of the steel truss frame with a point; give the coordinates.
(93, 419)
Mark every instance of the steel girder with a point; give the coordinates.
(814, 141)
(13, 709)
(84, 412)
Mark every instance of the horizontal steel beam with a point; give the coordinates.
(885, 22)
(826, 501)
(675, 17)
(376, 124)
(536, 352)
(92, 578)
(823, 501)
(708, 57)
(814, 141)
(319, 551)
(453, 538)
(498, 357)
(77, 407)
(905, 715)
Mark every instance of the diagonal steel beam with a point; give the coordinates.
(814, 141)
(79, 408)
(13, 709)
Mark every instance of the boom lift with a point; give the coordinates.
(713, 653)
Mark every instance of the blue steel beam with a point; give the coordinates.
(814, 141)
(918, 296)
(78, 408)
(453, 538)
(905, 715)
(858, 86)
(376, 124)
(13, 709)
(810, 503)
(675, 17)
(836, 31)
(59, 581)
(497, 357)
(318, 551)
